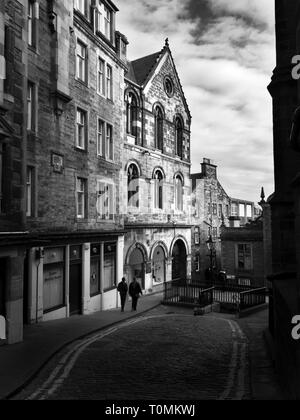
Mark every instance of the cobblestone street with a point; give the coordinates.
(165, 354)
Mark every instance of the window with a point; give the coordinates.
(159, 128)
(109, 149)
(100, 138)
(31, 21)
(104, 20)
(30, 106)
(249, 211)
(81, 62)
(227, 210)
(81, 131)
(81, 197)
(95, 286)
(197, 235)
(108, 82)
(101, 76)
(178, 137)
(158, 190)
(133, 186)
(109, 269)
(29, 192)
(105, 145)
(105, 201)
(83, 7)
(244, 257)
(220, 212)
(107, 23)
(234, 209)
(169, 87)
(54, 279)
(215, 209)
(178, 193)
(131, 115)
(242, 210)
(197, 263)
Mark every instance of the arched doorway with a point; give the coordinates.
(179, 260)
(137, 267)
(159, 265)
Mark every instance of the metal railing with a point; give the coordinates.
(232, 297)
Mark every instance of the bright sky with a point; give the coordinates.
(224, 51)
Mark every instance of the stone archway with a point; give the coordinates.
(179, 260)
(159, 256)
(136, 266)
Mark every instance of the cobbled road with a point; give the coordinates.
(164, 354)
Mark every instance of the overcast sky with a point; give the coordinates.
(224, 51)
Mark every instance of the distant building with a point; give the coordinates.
(242, 253)
(213, 208)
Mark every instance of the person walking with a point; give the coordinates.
(123, 289)
(135, 291)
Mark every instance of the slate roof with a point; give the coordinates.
(140, 69)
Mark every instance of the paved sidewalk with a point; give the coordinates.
(20, 362)
(264, 381)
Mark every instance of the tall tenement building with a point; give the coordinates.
(94, 163)
(284, 204)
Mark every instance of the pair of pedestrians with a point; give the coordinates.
(135, 291)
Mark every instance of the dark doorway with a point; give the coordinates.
(75, 287)
(179, 263)
(3, 287)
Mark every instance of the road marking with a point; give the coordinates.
(236, 378)
(237, 374)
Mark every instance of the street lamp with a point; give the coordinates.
(211, 247)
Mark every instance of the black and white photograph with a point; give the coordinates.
(149, 203)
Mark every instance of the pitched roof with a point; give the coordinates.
(140, 69)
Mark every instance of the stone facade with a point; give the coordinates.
(157, 228)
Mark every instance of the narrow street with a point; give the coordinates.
(164, 354)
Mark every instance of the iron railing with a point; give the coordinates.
(232, 297)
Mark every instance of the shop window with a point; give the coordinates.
(109, 268)
(95, 287)
(54, 279)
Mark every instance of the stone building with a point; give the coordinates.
(212, 209)
(61, 90)
(242, 253)
(284, 204)
(156, 173)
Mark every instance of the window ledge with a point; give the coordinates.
(79, 149)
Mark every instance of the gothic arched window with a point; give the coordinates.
(159, 128)
(178, 137)
(158, 190)
(178, 193)
(133, 185)
(131, 114)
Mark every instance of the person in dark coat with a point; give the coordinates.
(135, 291)
(123, 289)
